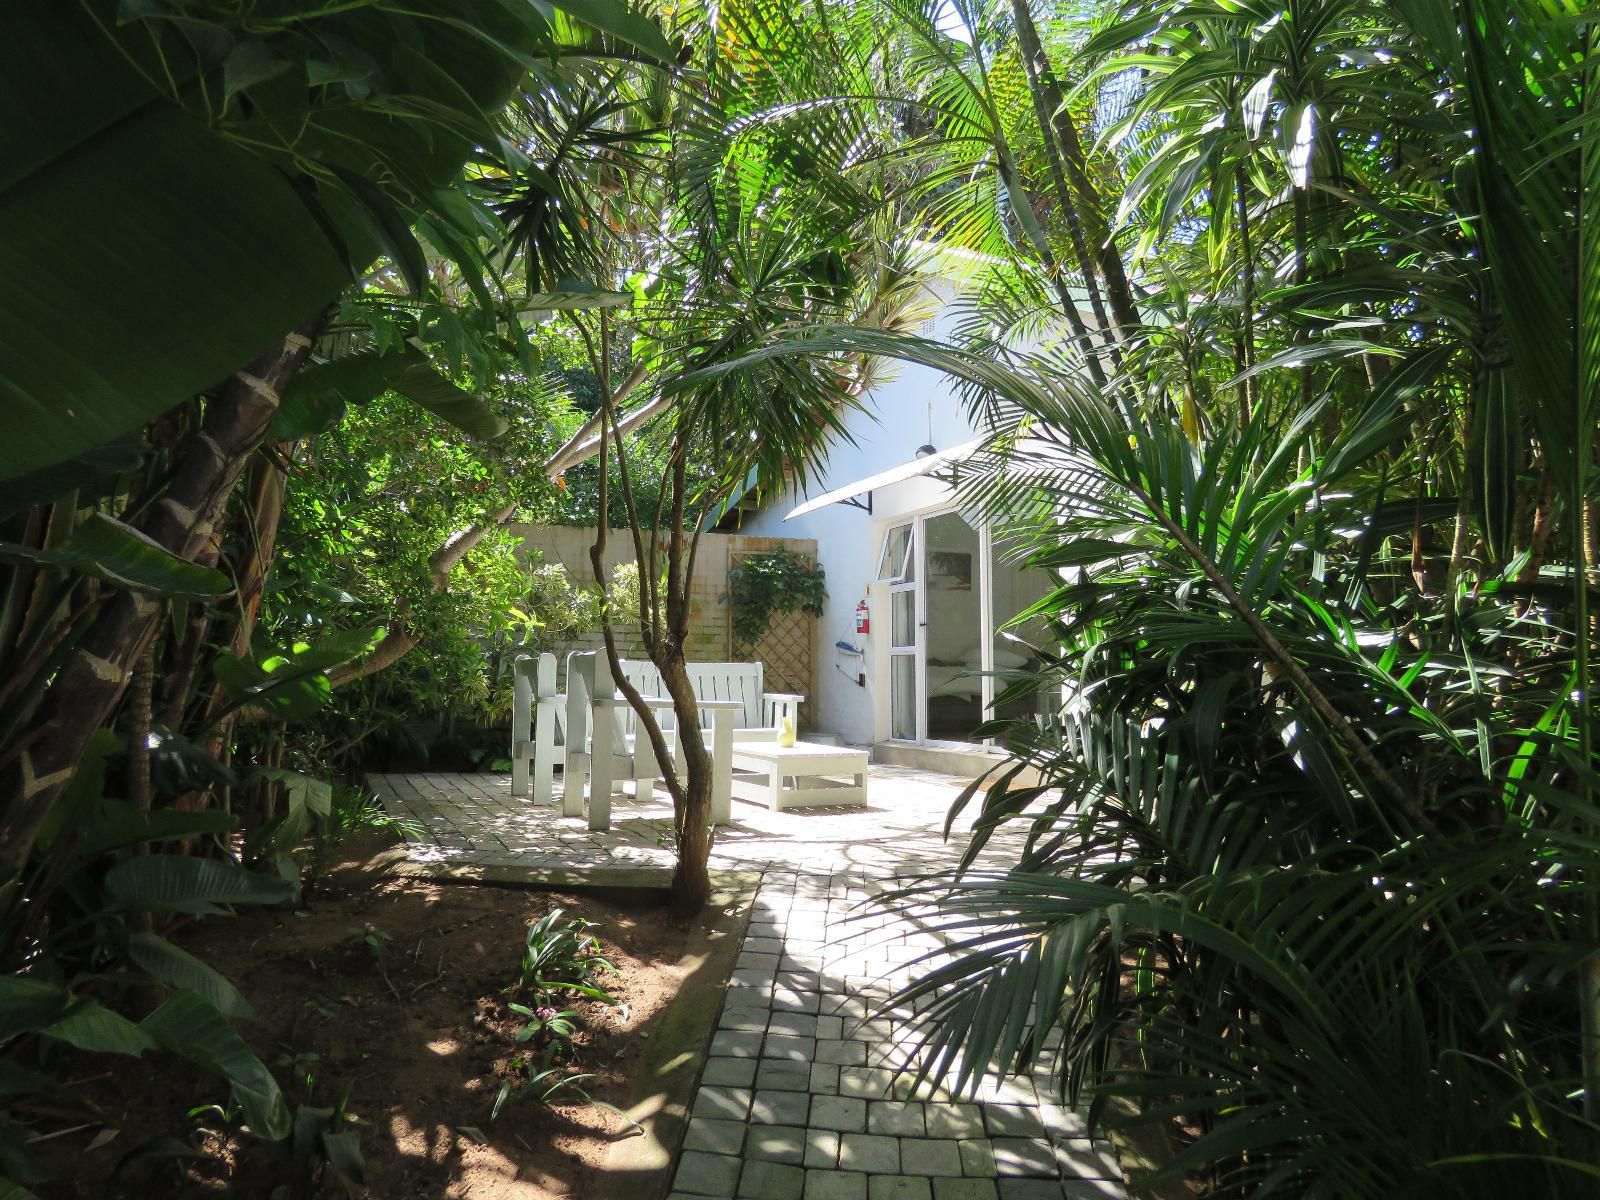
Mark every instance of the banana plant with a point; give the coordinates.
(286, 125)
(81, 953)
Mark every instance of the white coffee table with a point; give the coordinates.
(805, 775)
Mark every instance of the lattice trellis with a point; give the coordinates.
(788, 652)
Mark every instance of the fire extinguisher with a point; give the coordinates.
(863, 618)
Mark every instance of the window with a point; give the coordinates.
(898, 563)
(902, 618)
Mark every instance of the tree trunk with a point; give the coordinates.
(180, 679)
(144, 671)
(263, 513)
(691, 796)
(263, 510)
(691, 881)
(94, 677)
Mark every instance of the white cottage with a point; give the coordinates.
(917, 588)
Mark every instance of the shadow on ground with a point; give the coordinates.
(393, 992)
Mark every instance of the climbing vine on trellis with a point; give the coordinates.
(770, 584)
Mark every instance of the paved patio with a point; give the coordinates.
(799, 1099)
(461, 821)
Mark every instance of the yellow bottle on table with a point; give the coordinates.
(786, 732)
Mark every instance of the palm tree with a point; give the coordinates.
(738, 220)
(1310, 867)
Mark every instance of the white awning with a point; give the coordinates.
(910, 470)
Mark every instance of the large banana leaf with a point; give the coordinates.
(178, 968)
(190, 1026)
(90, 474)
(27, 1004)
(211, 187)
(171, 209)
(93, 1027)
(115, 553)
(179, 883)
(110, 824)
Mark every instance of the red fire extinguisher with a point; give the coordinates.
(863, 618)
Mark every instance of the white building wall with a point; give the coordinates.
(917, 406)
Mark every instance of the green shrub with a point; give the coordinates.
(769, 585)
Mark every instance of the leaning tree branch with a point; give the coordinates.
(401, 637)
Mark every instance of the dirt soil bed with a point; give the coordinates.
(423, 1044)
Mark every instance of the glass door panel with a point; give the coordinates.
(903, 618)
(903, 696)
(898, 566)
(1016, 588)
(953, 634)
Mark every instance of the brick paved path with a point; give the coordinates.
(799, 1099)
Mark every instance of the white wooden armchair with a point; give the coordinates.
(732, 686)
(603, 742)
(537, 718)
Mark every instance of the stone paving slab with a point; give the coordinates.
(472, 820)
(857, 1130)
(803, 1095)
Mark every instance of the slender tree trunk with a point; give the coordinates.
(1029, 221)
(263, 509)
(180, 680)
(1046, 97)
(93, 678)
(143, 686)
(1089, 207)
(268, 484)
(1543, 522)
(691, 880)
(691, 795)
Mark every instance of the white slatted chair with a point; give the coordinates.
(761, 713)
(603, 744)
(734, 708)
(537, 716)
(725, 686)
(718, 719)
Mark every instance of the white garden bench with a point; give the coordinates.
(735, 708)
(757, 713)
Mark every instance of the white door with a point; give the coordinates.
(948, 586)
(898, 568)
(953, 635)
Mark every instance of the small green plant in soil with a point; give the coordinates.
(559, 957)
(566, 957)
(376, 941)
(549, 1085)
(548, 1030)
(322, 1151)
(302, 1067)
(544, 1085)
